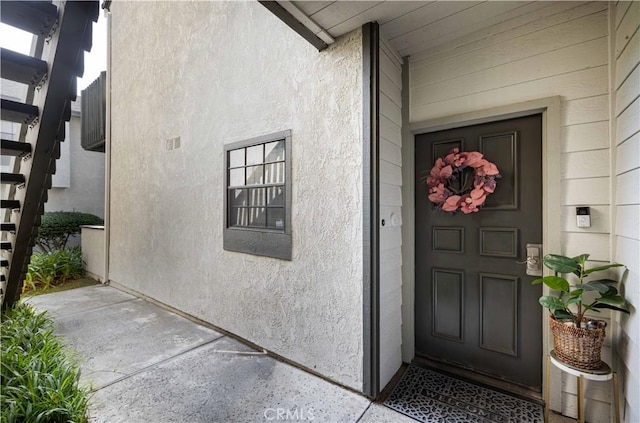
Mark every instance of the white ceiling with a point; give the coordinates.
(416, 26)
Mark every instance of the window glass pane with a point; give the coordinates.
(274, 173)
(274, 151)
(256, 197)
(247, 197)
(254, 154)
(236, 158)
(254, 175)
(275, 196)
(275, 218)
(236, 177)
(257, 217)
(238, 216)
(238, 197)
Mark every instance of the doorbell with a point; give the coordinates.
(583, 217)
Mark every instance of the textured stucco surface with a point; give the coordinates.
(213, 73)
(92, 242)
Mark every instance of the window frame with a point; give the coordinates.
(258, 240)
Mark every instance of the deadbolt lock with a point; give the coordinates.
(534, 259)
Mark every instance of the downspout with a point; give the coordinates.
(107, 167)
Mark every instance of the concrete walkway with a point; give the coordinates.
(147, 364)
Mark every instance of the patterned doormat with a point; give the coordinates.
(431, 397)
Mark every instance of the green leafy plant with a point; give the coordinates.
(39, 380)
(48, 269)
(69, 264)
(57, 227)
(569, 304)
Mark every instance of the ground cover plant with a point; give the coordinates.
(48, 269)
(39, 381)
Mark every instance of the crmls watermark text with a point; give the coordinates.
(473, 410)
(287, 414)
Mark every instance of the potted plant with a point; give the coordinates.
(577, 339)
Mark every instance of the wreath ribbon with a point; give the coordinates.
(451, 186)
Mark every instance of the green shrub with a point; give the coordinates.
(39, 381)
(56, 228)
(53, 268)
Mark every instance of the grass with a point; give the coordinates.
(39, 381)
(48, 269)
(70, 284)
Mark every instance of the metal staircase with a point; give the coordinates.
(63, 30)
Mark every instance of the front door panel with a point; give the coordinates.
(475, 305)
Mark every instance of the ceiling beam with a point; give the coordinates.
(300, 23)
(305, 20)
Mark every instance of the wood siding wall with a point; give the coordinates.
(560, 50)
(390, 205)
(626, 174)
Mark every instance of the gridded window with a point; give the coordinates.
(258, 196)
(257, 186)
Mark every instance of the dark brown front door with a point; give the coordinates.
(475, 305)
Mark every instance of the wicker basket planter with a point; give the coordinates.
(577, 347)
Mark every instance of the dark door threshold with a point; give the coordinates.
(481, 379)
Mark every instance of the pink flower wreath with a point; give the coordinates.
(450, 185)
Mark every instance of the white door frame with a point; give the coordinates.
(551, 195)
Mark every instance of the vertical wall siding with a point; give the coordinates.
(626, 146)
(566, 55)
(390, 205)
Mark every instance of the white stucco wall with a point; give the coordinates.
(78, 184)
(560, 51)
(214, 73)
(93, 251)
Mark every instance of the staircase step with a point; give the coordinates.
(62, 133)
(36, 17)
(71, 36)
(5, 245)
(73, 91)
(8, 227)
(22, 68)
(12, 178)
(4, 263)
(15, 148)
(10, 204)
(82, 39)
(67, 112)
(18, 112)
